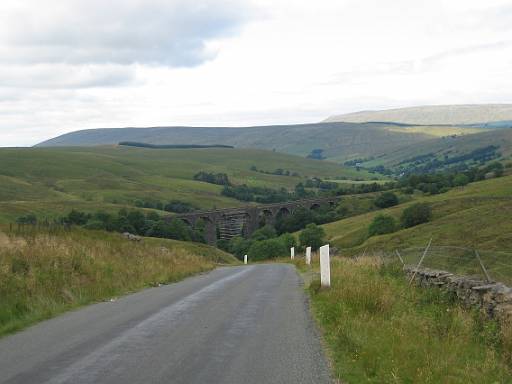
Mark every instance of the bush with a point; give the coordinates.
(312, 236)
(418, 213)
(386, 199)
(460, 180)
(382, 224)
(267, 249)
(264, 233)
(29, 218)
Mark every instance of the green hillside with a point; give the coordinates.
(446, 148)
(44, 273)
(337, 141)
(50, 181)
(475, 216)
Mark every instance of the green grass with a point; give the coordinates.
(476, 216)
(49, 181)
(45, 273)
(380, 330)
(449, 146)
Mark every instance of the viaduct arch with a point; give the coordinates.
(243, 221)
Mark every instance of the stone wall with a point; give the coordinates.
(494, 299)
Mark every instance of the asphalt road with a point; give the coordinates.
(238, 325)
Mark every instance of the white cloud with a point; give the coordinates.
(135, 63)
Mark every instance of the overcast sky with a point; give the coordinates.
(75, 64)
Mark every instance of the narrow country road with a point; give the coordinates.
(234, 325)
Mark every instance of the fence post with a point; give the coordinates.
(482, 266)
(308, 255)
(399, 256)
(245, 259)
(325, 266)
(421, 261)
(292, 253)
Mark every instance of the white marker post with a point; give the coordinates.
(292, 253)
(325, 266)
(308, 255)
(245, 259)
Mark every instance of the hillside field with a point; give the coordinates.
(44, 273)
(51, 181)
(476, 216)
(337, 141)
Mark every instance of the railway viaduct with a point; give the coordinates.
(243, 221)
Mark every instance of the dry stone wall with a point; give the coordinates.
(494, 299)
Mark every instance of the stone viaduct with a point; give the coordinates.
(243, 221)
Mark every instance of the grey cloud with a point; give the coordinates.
(63, 76)
(172, 33)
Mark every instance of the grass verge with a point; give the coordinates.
(43, 274)
(379, 330)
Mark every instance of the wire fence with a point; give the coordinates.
(490, 265)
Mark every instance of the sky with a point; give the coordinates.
(78, 64)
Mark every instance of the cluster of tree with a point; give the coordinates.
(416, 214)
(315, 182)
(258, 194)
(357, 189)
(170, 146)
(357, 162)
(212, 178)
(434, 183)
(278, 171)
(172, 206)
(430, 163)
(266, 243)
(135, 222)
(317, 154)
(301, 217)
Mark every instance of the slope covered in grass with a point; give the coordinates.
(45, 273)
(481, 206)
(380, 330)
(338, 141)
(433, 114)
(476, 216)
(52, 180)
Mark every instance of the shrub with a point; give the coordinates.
(312, 236)
(267, 249)
(264, 233)
(382, 224)
(418, 213)
(386, 199)
(460, 180)
(29, 218)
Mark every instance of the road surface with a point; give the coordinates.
(238, 325)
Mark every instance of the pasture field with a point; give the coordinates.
(51, 181)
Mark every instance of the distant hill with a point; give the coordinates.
(337, 141)
(434, 115)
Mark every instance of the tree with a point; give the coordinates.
(382, 224)
(264, 233)
(460, 180)
(312, 236)
(239, 246)
(288, 240)
(267, 249)
(418, 213)
(386, 200)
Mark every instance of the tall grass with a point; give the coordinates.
(43, 274)
(379, 330)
